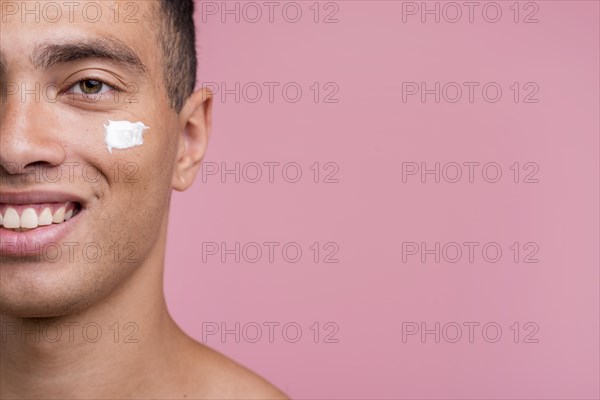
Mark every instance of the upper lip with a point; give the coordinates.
(38, 197)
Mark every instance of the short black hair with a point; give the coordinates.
(177, 39)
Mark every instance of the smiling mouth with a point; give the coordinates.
(27, 217)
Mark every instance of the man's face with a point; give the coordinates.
(58, 131)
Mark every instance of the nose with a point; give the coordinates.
(27, 135)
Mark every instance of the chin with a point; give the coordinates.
(40, 296)
(39, 307)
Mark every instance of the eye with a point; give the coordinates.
(90, 87)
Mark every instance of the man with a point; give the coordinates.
(99, 122)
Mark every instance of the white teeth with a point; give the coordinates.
(68, 215)
(29, 219)
(59, 216)
(45, 217)
(11, 219)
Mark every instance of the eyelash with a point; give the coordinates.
(74, 85)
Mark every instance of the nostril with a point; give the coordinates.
(17, 168)
(38, 164)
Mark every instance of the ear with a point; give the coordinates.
(195, 120)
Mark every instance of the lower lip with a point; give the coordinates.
(36, 241)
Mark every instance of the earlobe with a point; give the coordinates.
(195, 120)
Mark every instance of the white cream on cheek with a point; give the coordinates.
(124, 134)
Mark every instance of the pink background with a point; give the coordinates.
(370, 212)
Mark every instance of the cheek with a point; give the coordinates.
(128, 153)
(127, 165)
(139, 182)
(132, 161)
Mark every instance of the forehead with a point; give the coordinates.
(26, 24)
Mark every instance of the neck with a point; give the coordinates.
(119, 340)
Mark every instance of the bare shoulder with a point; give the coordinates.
(223, 378)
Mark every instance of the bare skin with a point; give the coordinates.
(146, 355)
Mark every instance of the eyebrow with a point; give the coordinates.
(47, 54)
